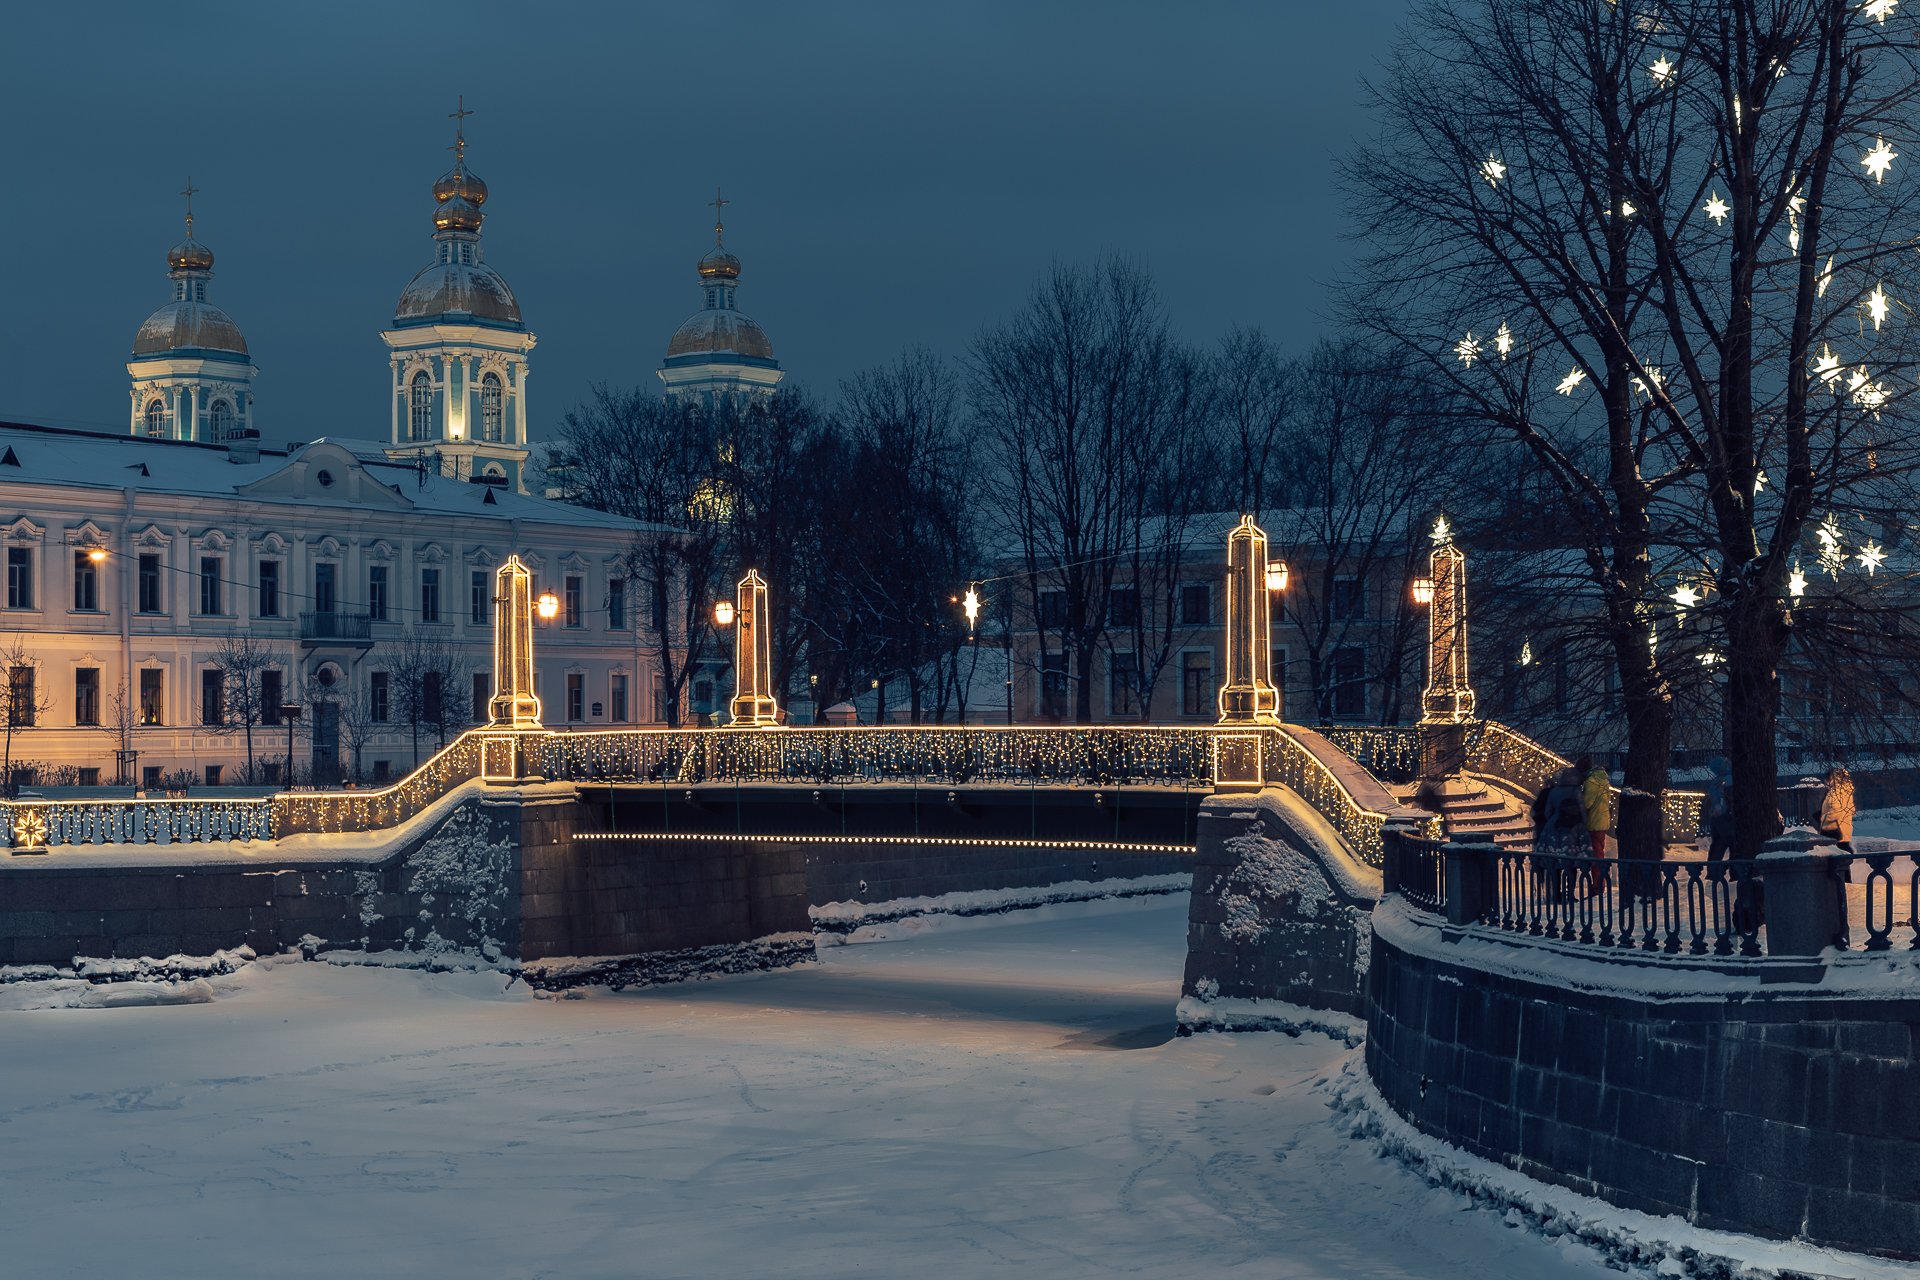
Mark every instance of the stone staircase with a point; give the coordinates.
(1480, 809)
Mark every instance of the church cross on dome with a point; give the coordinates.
(189, 193)
(719, 206)
(459, 117)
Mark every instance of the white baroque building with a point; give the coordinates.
(192, 376)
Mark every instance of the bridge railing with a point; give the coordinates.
(305, 812)
(1497, 751)
(1391, 752)
(1346, 795)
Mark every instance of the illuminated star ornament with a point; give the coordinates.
(1877, 305)
(971, 607)
(1662, 72)
(1831, 556)
(1826, 278)
(1685, 596)
(1503, 340)
(1759, 482)
(1871, 557)
(1626, 209)
(1871, 396)
(1492, 170)
(1468, 349)
(1572, 380)
(1442, 532)
(1717, 209)
(1654, 380)
(1796, 582)
(1879, 10)
(1879, 160)
(1826, 366)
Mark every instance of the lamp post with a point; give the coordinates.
(290, 712)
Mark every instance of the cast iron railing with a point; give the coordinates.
(1883, 891)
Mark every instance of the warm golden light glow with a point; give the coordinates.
(1503, 340)
(97, 554)
(548, 606)
(1871, 557)
(1662, 71)
(1796, 582)
(1468, 349)
(1876, 305)
(1448, 698)
(970, 605)
(1276, 575)
(1573, 379)
(1826, 366)
(723, 613)
(1423, 591)
(1492, 170)
(513, 705)
(1717, 209)
(753, 704)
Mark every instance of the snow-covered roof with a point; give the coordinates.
(57, 455)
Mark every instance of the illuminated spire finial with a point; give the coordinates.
(189, 193)
(719, 206)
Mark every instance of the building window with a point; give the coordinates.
(269, 588)
(1349, 683)
(272, 695)
(157, 419)
(430, 703)
(479, 598)
(153, 689)
(491, 420)
(89, 775)
(420, 407)
(150, 584)
(576, 697)
(221, 420)
(1053, 685)
(619, 698)
(86, 584)
(570, 598)
(213, 774)
(617, 604)
(210, 585)
(22, 707)
(482, 695)
(1123, 674)
(1196, 681)
(86, 695)
(324, 598)
(1348, 600)
(19, 577)
(429, 595)
(213, 700)
(1053, 610)
(1123, 607)
(150, 777)
(1196, 605)
(379, 697)
(377, 593)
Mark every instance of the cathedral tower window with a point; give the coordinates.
(420, 407)
(157, 419)
(490, 407)
(221, 420)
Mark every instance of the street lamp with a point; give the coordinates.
(290, 711)
(1276, 575)
(97, 555)
(547, 606)
(723, 613)
(1423, 591)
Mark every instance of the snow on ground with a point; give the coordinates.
(985, 1101)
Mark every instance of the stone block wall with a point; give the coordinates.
(1772, 1108)
(1279, 911)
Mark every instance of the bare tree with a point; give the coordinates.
(240, 659)
(426, 678)
(23, 698)
(118, 719)
(1256, 393)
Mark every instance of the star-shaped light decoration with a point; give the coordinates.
(971, 607)
(1796, 582)
(1686, 597)
(1871, 557)
(1526, 652)
(1717, 209)
(1759, 482)
(1879, 160)
(1871, 396)
(1879, 10)
(1492, 170)
(1572, 380)
(1826, 365)
(1831, 556)
(1856, 379)
(1626, 209)
(30, 829)
(1877, 305)
(1503, 340)
(1708, 657)
(1825, 279)
(1653, 380)
(1468, 349)
(1662, 72)
(1442, 532)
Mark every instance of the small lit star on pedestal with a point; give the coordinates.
(1871, 557)
(1493, 170)
(1468, 349)
(1879, 160)
(1571, 381)
(1717, 209)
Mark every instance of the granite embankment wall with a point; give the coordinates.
(1279, 910)
(1775, 1097)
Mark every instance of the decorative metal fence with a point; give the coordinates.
(53, 822)
(1497, 751)
(305, 812)
(1883, 895)
(1358, 819)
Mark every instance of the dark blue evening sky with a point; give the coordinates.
(900, 173)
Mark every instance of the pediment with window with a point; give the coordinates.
(323, 470)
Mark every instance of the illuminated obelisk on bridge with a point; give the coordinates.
(1446, 706)
(753, 704)
(514, 705)
(1249, 695)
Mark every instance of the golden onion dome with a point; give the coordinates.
(190, 255)
(456, 213)
(188, 325)
(719, 332)
(460, 181)
(719, 264)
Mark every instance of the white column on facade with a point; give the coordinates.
(193, 412)
(520, 403)
(398, 399)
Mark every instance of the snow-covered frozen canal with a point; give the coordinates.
(999, 1100)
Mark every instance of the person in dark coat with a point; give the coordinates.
(1719, 808)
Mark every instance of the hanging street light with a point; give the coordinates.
(723, 613)
(1423, 591)
(1276, 575)
(547, 606)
